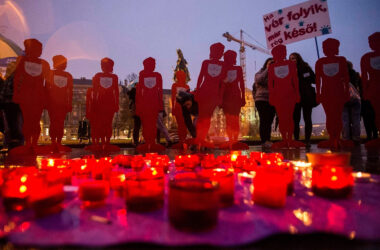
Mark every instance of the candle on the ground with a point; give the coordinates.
(193, 203)
(145, 190)
(270, 187)
(226, 180)
(93, 192)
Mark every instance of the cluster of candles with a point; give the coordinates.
(198, 185)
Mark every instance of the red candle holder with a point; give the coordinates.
(270, 187)
(209, 161)
(332, 181)
(331, 174)
(333, 159)
(287, 168)
(145, 190)
(93, 192)
(256, 156)
(46, 200)
(226, 181)
(186, 162)
(193, 203)
(122, 161)
(137, 162)
(16, 190)
(117, 182)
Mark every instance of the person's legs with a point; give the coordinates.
(297, 119)
(355, 116)
(136, 129)
(182, 131)
(346, 121)
(307, 111)
(260, 106)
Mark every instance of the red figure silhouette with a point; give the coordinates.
(233, 100)
(178, 87)
(209, 92)
(105, 104)
(90, 114)
(283, 94)
(370, 67)
(332, 90)
(148, 104)
(59, 89)
(30, 75)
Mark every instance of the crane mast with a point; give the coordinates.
(242, 49)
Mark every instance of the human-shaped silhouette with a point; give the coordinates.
(233, 100)
(29, 92)
(59, 90)
(177, 87)
(331, 78)
(148, 103)
(283, 94)
(106, 103)
(209, 92)
(370, 69)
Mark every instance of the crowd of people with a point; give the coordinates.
(283, 88)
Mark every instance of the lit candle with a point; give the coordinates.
(46, 200)
(145, 190)
(246, 177)
(226, 181)
(209, 161)
(270, 187)
(93, 192)
(193, 203)
(362, 177)
(332, 181)
(16, 190)
(117, 182)
(122, 161)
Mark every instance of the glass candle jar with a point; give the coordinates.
(145, 190)
(93, 193)
(193, 203)
(226, 181)
(270, 187)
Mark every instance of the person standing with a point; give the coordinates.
(12, 112)
(261, 96)
(306, 78)
(352, 108)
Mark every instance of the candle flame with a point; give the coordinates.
(334, 178)
(333, 170)
(50, 163)
(23, 178)
(23, 189)
(154, 171)
(83, 167)
(122, 177)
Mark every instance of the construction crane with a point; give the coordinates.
(242, 49)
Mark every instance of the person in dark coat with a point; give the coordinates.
(306, 78)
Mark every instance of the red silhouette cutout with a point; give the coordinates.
(59, 90)
(149, 103)
(209, 92)
(178, 87)
(370, 69)
(30, 75)
(233, 100)
(332, 91)
(104, 105)
(283, 94)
